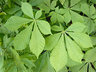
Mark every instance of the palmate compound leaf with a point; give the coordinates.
(58, 57)
(22, 39)
(44, 27)
(72, 13)
(15, 22)
(37, 41)
(74, 50)
(27, 9)
(83, 40)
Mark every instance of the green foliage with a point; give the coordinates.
(47, 35)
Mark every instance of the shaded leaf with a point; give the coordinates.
(22, 39)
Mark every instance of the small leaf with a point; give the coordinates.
(44, 27)
(22, 39)
(15, 22)
(27, 9)
(58, 57)
(38, 14)
(37, 41)
(74, 50)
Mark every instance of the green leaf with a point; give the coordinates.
(84, 68)
(90, 55)
(90, 25)
(56, 17)
(58, 57)
(53, 4)
(91, 68)
(57, 28)
(45, 5)
(77, 68)
(44, 27)
(71, 63)
(93, 39)
(67, 16)
(28, 63)
(43, 64)
(15, 22)
(83, 40)
(51, 41)
(1, 58)
(76, 27)
(64, 69)
(73, 2)
(74, 50)
(37, 42)
(85, 8)
(92, 10)
(38, 14)
(94, 1)
(22, 39)
(27, 9)
(76, 7)
(62, 1)
(13, 69)
(76, 17)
